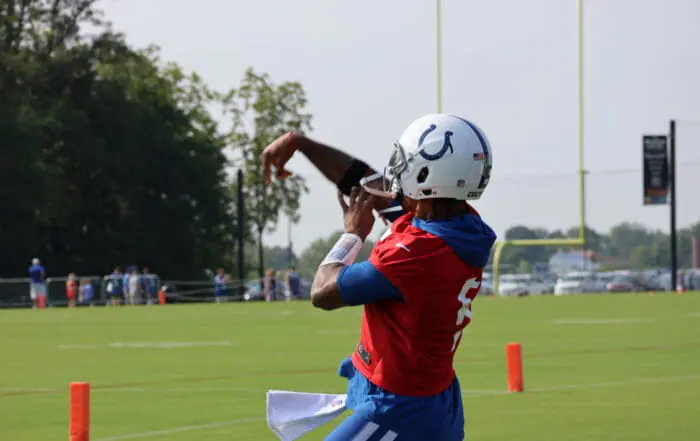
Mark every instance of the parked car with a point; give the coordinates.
(576, 283)
(624, 283)
(550, 282)
(254, 291)
(521, 285)
(691, 279)
(604, 278)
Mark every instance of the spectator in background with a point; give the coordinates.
(270, 286)
(293, 284)
(115, 287)
(228, 286)
(149, 285)
(681, 281)
(125, 284)
(87, 292)
(71, 289)
(219, 285)
(134, 287)
(37, 286)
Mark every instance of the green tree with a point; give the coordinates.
(524, 267)
(685, 238)
(626, 236)
(515, 256)
(172, 156)
(42, 66)
(629, 244)
(108, 155)
(276, 257)
(262, 111)
(594, 240)
(556, 234)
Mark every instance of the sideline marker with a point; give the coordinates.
(514, 363)
(79, 411)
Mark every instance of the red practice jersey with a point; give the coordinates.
(409, 337)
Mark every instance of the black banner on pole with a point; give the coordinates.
(655, 155)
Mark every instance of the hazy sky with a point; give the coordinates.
(368, 67)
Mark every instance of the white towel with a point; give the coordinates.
(293, 414)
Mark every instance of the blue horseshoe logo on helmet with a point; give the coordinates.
(445, 146)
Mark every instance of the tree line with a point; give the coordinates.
(626, 245)
(109, 155)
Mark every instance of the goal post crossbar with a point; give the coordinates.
(500, 246)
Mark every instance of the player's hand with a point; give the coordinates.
(359, 218)
(277, 154)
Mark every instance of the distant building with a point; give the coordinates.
(563, 262)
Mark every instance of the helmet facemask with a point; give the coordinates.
(390, 185)
(387, 184)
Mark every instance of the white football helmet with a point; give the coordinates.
(438, 156)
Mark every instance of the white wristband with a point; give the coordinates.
(344, 251)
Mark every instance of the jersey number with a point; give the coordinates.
(471, 285)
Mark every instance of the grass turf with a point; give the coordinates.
(597, 367)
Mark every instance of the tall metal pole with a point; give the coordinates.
(241, 231)
(438, 6)
(290, 251)
(672, 201)
(581, 129)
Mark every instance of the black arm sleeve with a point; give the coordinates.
(352, 177)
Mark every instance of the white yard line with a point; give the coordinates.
(180, 429)
(466, 394)
(178, 389)
(27, 389)
(149, 345)
(476, 394)
(602, 321)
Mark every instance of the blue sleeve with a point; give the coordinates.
(362, 283)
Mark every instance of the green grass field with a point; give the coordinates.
(597, 367)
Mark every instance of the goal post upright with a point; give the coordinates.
(581, 240)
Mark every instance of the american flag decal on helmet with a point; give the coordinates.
(479, 156)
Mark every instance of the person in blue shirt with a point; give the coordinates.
(270, 286)
(150, 286)
(293, 284)
(220, 286)
(115, 287)
(87, 292)
(125, 284)
(37, 286)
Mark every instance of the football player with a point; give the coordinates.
(419, 283)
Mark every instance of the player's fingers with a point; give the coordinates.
(282, 174)
(354, 192)
(281, 159)
(362, 196)
(267, 171)
(343, 204)
(371, 201)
